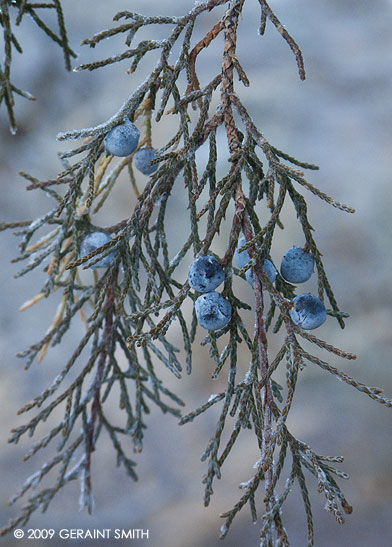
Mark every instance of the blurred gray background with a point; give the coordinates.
(339, 118)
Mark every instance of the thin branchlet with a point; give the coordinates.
(12, 13)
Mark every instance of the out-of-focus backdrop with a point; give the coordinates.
(339, 118)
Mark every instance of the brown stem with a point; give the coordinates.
(267, 396)
(230, 22)
(203, 43)
(261, 339)
(230, 26)
(106, 342)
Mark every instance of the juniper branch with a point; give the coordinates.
(130, 306)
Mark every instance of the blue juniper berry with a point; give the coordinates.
(297, 265)
(243, 258)
(122, 140)
(205, 274)
(91, 242)
(213, 312)
(142, 160)
(308, 311)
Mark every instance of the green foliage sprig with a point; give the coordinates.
(129, 308)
